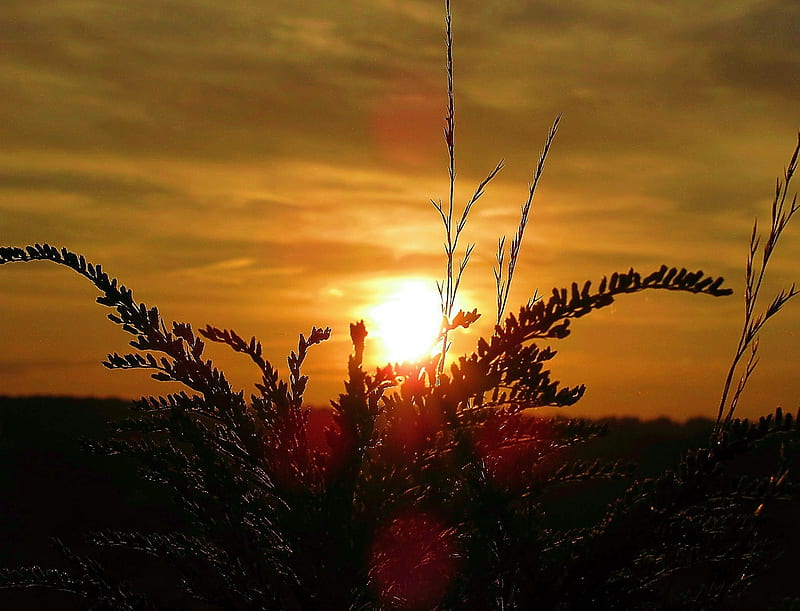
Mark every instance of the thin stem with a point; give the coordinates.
(754, 279)
(450, 138)
(503, 287)
(446, 295)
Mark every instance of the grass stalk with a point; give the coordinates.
(448, 288)
(503, 282)
(754, 278)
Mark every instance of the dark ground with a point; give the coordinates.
(50, 487)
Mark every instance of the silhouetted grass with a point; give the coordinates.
(429, 485)
(754, 278)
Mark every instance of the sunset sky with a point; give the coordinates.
(266, 165)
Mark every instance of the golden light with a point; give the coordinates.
(407, 321)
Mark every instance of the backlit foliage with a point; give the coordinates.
(426, 489)
(428, 484)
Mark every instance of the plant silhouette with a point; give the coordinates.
(429, 486)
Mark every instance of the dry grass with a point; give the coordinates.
(427, 475)
(454, 271)
(754, 278)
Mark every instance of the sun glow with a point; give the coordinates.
(407, 322)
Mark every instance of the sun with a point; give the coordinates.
(407, 321)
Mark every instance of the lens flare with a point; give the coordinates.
(413, 561)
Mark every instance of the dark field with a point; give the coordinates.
(50, 486)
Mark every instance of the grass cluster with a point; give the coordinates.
(428, 487)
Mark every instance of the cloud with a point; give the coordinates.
(194, 78)
(17, 367)
(305, 262)
(756, 52)
(92, 186)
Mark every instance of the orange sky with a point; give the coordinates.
(266, 165)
